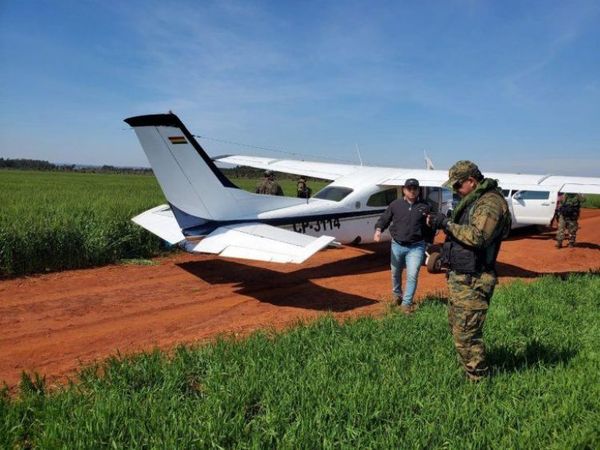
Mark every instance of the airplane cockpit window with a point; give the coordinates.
(506, 193)
(533, 195)
(335, 193)
(383, 198)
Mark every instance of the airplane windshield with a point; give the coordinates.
(335, 193)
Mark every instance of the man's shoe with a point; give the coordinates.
(406, 309)
(571, 244)
(396, 300)
(558, 244)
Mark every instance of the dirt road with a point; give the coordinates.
(53, 323)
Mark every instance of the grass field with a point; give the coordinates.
(592, 201)
(59, 220)
(367, 383)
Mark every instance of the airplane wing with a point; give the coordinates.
(325, 171)
(429, 178)
(574, 185)
(161, 222)
(259, 242)
(435, 178)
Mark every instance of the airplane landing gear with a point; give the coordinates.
(432, 259)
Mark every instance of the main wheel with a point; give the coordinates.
(434, 264)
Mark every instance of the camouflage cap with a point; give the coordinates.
(460, 171)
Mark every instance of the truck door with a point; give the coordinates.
(533, 205)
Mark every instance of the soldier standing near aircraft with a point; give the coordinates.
(268, 185)
(409, 232)
(568, 215)
(302, 189)
(474, 234)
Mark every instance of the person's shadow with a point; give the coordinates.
(502, 359)
(509, 270)
(587, 245)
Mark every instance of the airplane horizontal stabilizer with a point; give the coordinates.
(260, 242)
(161, 222)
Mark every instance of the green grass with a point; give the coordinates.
(59, 220)
(54, 220)
(591, 201)
(388, 383)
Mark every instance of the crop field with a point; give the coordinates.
(592, 201)
(58, 220)
(392, 382)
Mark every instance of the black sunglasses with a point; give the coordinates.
(456, 186)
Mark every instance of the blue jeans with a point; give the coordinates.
(411, 257)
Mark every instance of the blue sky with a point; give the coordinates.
(514, 86)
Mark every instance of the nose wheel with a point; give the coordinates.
(432, 259)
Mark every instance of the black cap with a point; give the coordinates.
(411, 182)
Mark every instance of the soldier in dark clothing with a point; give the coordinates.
(268, 185)
(568, 215)
(474, 234)
(409, 232)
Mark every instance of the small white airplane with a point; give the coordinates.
(207, 213)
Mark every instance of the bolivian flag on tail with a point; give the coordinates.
(177, 140)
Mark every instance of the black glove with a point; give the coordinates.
(438, 221)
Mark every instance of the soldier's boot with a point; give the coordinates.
(558, 244)
(571, 244)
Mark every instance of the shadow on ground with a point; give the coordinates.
(295, 288)
(503, 359)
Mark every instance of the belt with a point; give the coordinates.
(408, 243)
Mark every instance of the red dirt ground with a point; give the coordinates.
(53, 323)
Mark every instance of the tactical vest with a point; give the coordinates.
(464, 259)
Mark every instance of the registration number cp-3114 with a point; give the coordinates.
(316, 225)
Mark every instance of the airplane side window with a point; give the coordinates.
(383, 198)
(334, 193)
(534, 195)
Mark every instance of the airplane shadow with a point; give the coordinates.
(502, 359)
(292, 288)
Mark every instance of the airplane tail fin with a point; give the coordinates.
(205, 204)
(193, 185)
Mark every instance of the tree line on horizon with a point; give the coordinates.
(36, 164)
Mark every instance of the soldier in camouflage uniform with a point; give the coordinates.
(268, 185)
(568, 215)
(474, 234)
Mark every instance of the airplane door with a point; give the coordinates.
(533, 206)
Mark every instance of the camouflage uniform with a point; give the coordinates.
(478, 228)
(269, 186)
(568, 215)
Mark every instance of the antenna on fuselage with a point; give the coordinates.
(358, 153)
(428, 162)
